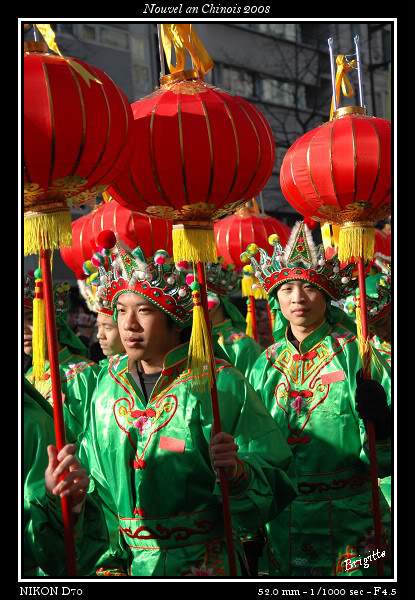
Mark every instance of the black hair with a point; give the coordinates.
(185, 333)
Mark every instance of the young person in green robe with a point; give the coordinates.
(228, 324)
(150, 450)
(310, 381)
(78, 373)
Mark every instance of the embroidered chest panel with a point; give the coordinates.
(304, 371)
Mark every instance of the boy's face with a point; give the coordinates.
(302, 303)
(144, 329)
(108, 335)
(27, 330)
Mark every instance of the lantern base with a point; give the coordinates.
(247, 290)
(47, 231)
(356, 240)
(194, 242)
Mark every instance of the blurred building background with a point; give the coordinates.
(284, 68)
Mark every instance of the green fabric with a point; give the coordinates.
(78, 380)
(173, 497)
(329, 443)
(237, 318)
(67, 337)
(236, 347)
(43, 544)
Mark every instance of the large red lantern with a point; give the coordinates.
(134, 229)
(202, 152)
(340, 173)
(77, 140)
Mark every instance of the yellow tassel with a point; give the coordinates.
(194, 244)
(49, 231)
(258, 293)
(249, 326)
(200, 355)
(39, 332)
(358, 240)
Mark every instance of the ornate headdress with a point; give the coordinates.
(61, 294)
(300, 260)
(156, 279)
(222, 281)
(378, 298)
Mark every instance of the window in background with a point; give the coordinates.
(237, 81)
(282, 92)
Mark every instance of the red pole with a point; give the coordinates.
(377, 518)
(253, 314)
(218, 428)
(52, 340)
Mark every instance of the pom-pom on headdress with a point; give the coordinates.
(61, 293)
(157, 279)
(300, 260)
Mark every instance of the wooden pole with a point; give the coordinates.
(201, 274)
(52, 341)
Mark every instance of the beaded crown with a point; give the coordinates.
(157, 279)
(223, 281)
(300, 260)
(61, 294)
(378, 298)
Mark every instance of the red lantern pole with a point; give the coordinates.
(377, 519)
(201, 274)
(52, 340)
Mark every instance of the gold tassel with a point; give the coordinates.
(49, 231)
(249, 325)
(356, 239)
(39, 331)
(258, 293)
(365, 349)
(194, 243)
(200, 352)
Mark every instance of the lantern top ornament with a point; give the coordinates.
(120, 270)
(300, 260)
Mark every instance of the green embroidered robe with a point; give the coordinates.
(311, 395)
(43, 536)
(150, 466)
(78, 380)
(238, 348)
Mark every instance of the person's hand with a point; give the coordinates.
(75, 484)
(223, 453)
(371, 403)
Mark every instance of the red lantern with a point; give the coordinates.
(234, 233)
(77, 138)
(201, 153)
(340, 172)
(134, 229)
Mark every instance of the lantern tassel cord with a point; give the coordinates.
(251, 327)
(377, 519)
(271, 318)
(52, 343)
(218, 427)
